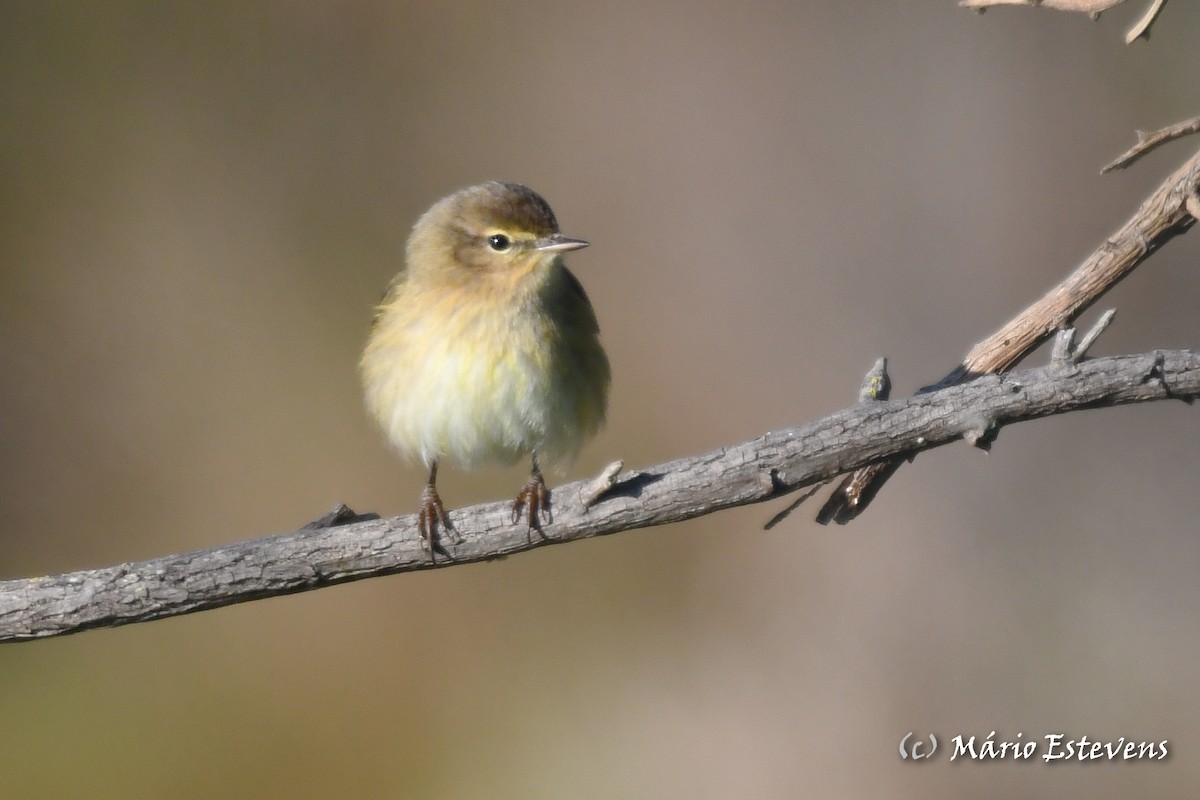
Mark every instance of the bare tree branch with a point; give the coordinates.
(1148, 141)
(1168, 212)
(772, 465)
(1093, 8)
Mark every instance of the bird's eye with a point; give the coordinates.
(499, 242)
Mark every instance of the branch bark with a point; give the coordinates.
(1167, 213)
(762, 469)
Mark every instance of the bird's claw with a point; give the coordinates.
(431, 517)
(534, 498)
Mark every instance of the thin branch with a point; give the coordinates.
(1066, 352)
(1091, 7)
(1142, 26)
(761, 469)
(602, 484)
(1080, 351)
(1163, 216)
(1148, 141)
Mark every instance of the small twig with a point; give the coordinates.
(1148, 141)
(792, 506)
(1066, 353)
(877, 384)
(1080, 352)
(1142, 26)
(602, 484)
(341, 514)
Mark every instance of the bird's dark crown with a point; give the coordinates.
(508, 206)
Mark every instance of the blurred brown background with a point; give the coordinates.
(201, 203)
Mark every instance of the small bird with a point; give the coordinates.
(485, 347)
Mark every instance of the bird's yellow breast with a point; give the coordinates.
(486, 372)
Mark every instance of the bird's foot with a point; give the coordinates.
(534, 499)
(431, 517)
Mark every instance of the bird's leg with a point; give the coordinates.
(433, 514)
(535, 496)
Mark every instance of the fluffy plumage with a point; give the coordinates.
(482, 353)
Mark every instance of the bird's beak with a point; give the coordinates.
(557, 243)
